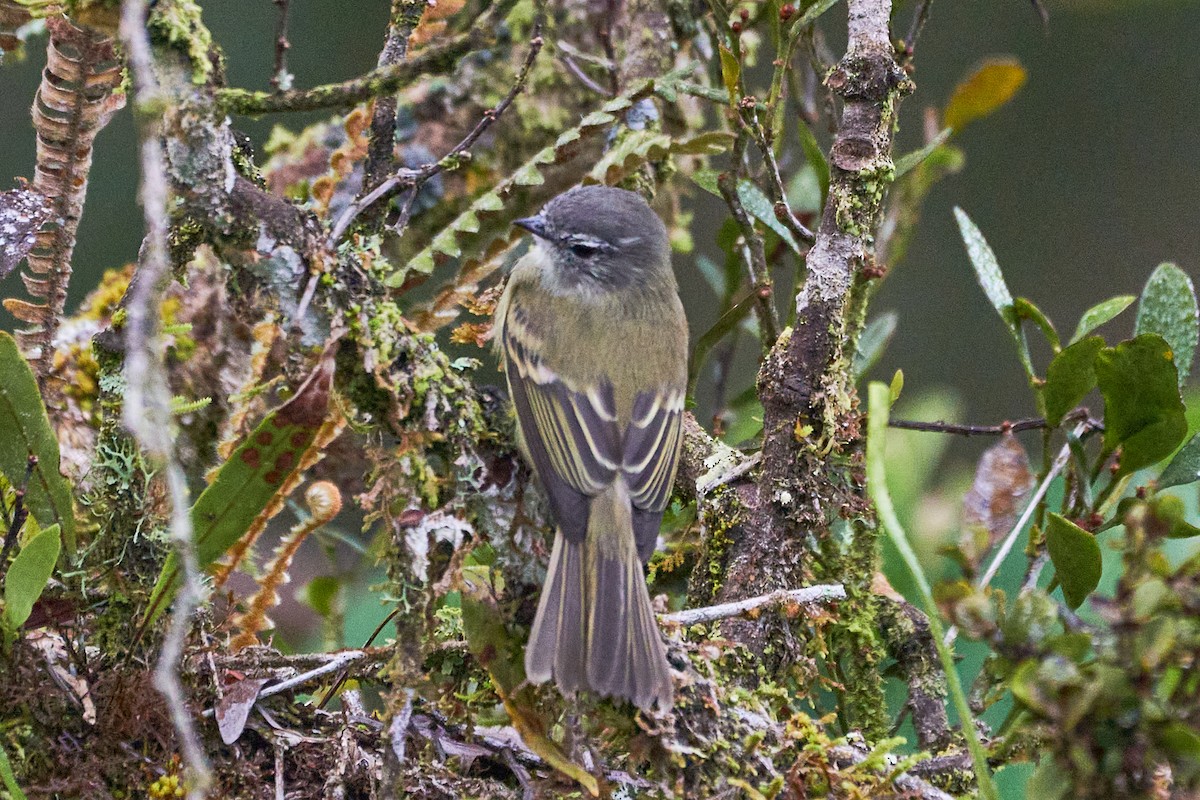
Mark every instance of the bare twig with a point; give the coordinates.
(920, 17)
(147, 406)
(809, 595)
(413, 178)
(339, 661)
(909, 784)
(754, 254)
(279, 78)
(1016, 426)
(386, 80)
(405, 16)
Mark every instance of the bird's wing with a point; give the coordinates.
(650, 455)
(570, 432)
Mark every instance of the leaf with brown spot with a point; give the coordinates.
(251, 485)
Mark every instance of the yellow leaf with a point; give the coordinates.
(992, 85)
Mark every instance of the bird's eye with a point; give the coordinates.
(584, 249)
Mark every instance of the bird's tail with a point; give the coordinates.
(595, 628)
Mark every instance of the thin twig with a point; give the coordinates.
(281, 47)
(404, 17)
(147, 406)
(920, 17)
(413, 178)
(809, 595)
(582, 76)
(1016, 426)
(386, 80)
(754, 254)
(339, 661)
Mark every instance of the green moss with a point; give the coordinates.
(177, 24)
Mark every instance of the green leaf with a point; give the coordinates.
(28, 575)
(1101, 313)
(992, 85)
(1168, 308)
(710, 143)
(987, 271)
(1171, 516)
(1070, 376)
(9, 779)
(873, 341)
(1049, 781)
(906, 163)
(756, 202)
(246, 485)
(816, 158)
(1025, 309)
(1076, 557)
(321, 594)
(1143, 412)
(25, 430)
(1181, 740)
(720, 329)
(706, 179)
(1184, 467)
(731, 73)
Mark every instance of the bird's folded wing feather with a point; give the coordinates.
(570, 432)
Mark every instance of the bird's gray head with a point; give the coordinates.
(607, 237)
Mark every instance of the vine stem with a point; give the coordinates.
(878, 402)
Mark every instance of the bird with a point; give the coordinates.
(593, 340)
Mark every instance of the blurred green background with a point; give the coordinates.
(1082, 184)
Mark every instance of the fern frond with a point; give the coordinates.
(74, 101)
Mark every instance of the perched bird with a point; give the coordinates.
(594, 343)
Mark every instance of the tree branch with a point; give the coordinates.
(380, 81)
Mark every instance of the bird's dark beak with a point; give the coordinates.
(535, 225)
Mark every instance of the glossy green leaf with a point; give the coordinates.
(1143, 412)
(1070, 376)
(1101, 313)
(25, 430)
(987, 271)
(1168, 308)
(28, 575)
(263, 465)
(759, 206)
(1184, 467)
(731, 73)
(909, 161)
(1076, 557)
(1025, 309)
(873, 341)
(992, 85)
